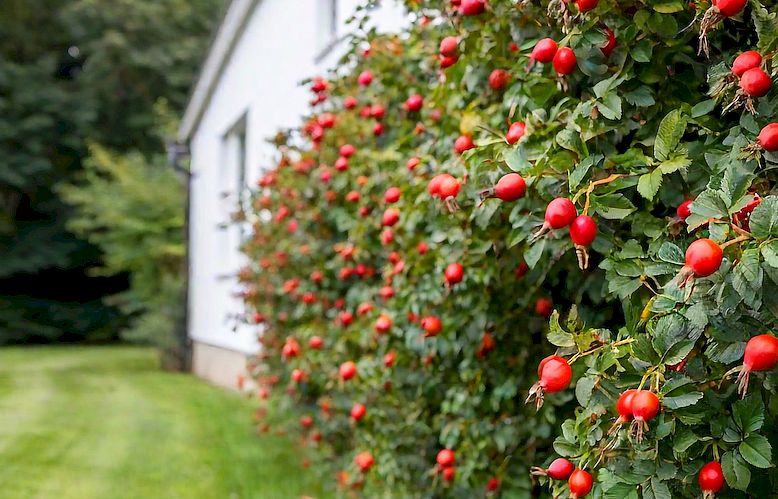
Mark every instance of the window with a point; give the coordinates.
(327, 19)
(233, 192)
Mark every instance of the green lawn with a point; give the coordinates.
(104, 422)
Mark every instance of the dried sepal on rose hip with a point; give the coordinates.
(554, 375)
(720, 10)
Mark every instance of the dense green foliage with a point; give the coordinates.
(71, 73)
(627, 136)
(98, 422)
(133, 210)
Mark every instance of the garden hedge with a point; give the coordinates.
(403, 316)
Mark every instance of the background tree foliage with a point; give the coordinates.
(73, 73)
(628, 136)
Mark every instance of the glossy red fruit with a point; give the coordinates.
(383, 324)
(378, 129)
(350, 102)
(365, 78)
(358, 411)
(747, 60)
(389, 359)
(306, 421)
(412, 163)
(755, 82)
(711, 478)
(472, 7)
(624, 405)
(544, 50)
(560, 469)
(449, 46)
(422, 248)
(560, 213)
(454, 273)
(554, 373)
(498, 79)
(544, 307)
(414, 103)
(610, 44)
(298, 375)
(391, 217)
(729, 8)
(463, 143)
(446, 458)
(586, 5)
(446, 61)
(449, 187)
(316, 342)
(392, 195)
(645, 405)
(493, 484)
(565, 61)
(583, 230)
(761, 353)
(515, 132)
(449, 473)
(580, 484)
(348, 370)
(347, 150)
(364, 461)
(768, 137)
(684, 209)
(704, 257)
(341, 164)
(510, 187)
(432, 325)
(433, 187)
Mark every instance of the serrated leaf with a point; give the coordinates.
(770, 254)
(669, 7)
(649, 183)
(640, 97)
(610, 106)
(736, 471)
(656, 489)
(671, 253)
(674, 164)
(756, 450)
(669, 134)
(680, 401)
(764, 218)
(748, 413)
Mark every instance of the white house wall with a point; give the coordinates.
(276, 50)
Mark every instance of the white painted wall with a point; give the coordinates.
(259, 81)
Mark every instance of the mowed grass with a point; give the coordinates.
(105, 422)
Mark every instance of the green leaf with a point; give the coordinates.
(736, 471)
(757, 451)
(610, 106)
(656, 489)
(684, 400)
(669, 7)
(709, 204)
(534, 252)
(516, 159)
(675, 164)
(764, 218)
(669, 134)
(671, 253)
(640, 97)
(556, 335)
(649, 183)
(770, 254)
(641, 51)
(748, 413)
(703, 108)
(766, 24)
(584, 388)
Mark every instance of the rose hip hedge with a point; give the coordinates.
(589, 183)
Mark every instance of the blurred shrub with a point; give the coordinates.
(132, 208)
